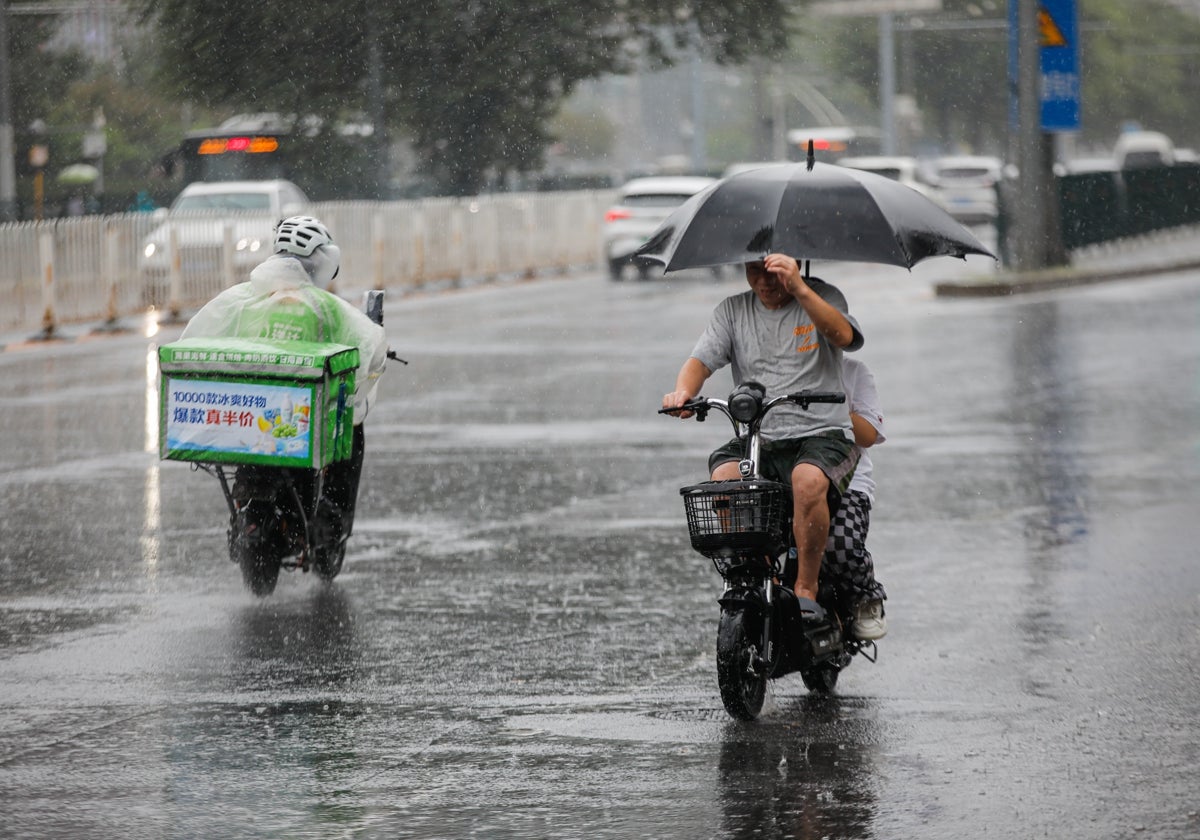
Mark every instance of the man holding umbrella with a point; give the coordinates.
(787, 333)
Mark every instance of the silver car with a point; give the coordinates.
(642, 205)
(967, 186)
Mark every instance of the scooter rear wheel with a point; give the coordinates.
(741, 680)
(247, 548)
(329, 549)
(327, 561)
(259, 573)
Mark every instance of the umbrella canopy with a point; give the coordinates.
(810, 211)
(78, 173)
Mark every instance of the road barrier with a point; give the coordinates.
(93, 268)
(1100, 206)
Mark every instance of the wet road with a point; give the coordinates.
(521, 644)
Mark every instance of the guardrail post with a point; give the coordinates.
(175, 284)
(529, 236)
(416, 275)
(228, 272)
(378, 237)
(112, 241)
(46, 263)
(456, 242)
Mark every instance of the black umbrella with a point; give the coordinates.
(810, 211)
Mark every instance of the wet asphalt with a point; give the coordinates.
(521, 644)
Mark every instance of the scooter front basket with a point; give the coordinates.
(737, 519)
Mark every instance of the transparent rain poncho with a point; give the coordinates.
(280, 302)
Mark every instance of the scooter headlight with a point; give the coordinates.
(746, 401)
(743, 407)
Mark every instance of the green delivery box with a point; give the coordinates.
(256, 401)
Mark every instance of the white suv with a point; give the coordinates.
(642, 205)
(219, 227)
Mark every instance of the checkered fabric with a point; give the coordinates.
(847, 561)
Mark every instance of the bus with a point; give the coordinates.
(327, 165)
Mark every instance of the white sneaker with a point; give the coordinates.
(869, 622)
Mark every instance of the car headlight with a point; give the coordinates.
(150, 250)
(249, 243)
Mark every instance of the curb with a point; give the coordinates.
(107, 329)
(1051, 279)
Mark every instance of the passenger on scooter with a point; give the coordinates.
(788, 333)
(850, 563)
(287, 298)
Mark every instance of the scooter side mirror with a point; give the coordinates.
(373, 305)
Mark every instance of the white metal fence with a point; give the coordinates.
(92, 268)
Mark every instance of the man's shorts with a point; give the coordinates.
(832, 452)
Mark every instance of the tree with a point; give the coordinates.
(38, 78)
(473, 84)
(1138, 63)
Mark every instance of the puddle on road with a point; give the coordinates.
(692, 726)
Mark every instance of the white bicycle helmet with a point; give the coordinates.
(301, 235)
(307, 239)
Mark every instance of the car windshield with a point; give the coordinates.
(965, 173)
(223, 201)
(654, 200)
(1136, 159)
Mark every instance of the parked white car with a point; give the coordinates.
(967, 186)
(219, 227)
(642, 205)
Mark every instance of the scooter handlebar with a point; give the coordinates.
(805, 398)
(696, 404)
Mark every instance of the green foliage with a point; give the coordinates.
(38, 75)
(64, 94)
(472, 84)
(583, 136)
(136, 135)
(1140, 63)
(34, 96)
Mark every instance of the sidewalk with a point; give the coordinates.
(1163, 252)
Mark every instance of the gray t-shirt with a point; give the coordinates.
(782, 349)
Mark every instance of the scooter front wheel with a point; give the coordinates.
(740, 674)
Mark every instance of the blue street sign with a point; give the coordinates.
(1060, 65)
(1059, 82)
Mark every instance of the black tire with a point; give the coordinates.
(616, 270)
(329, 534)
(821, 679)
(260, 566)
(259, 572)
(327, 561)
(742, 690)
